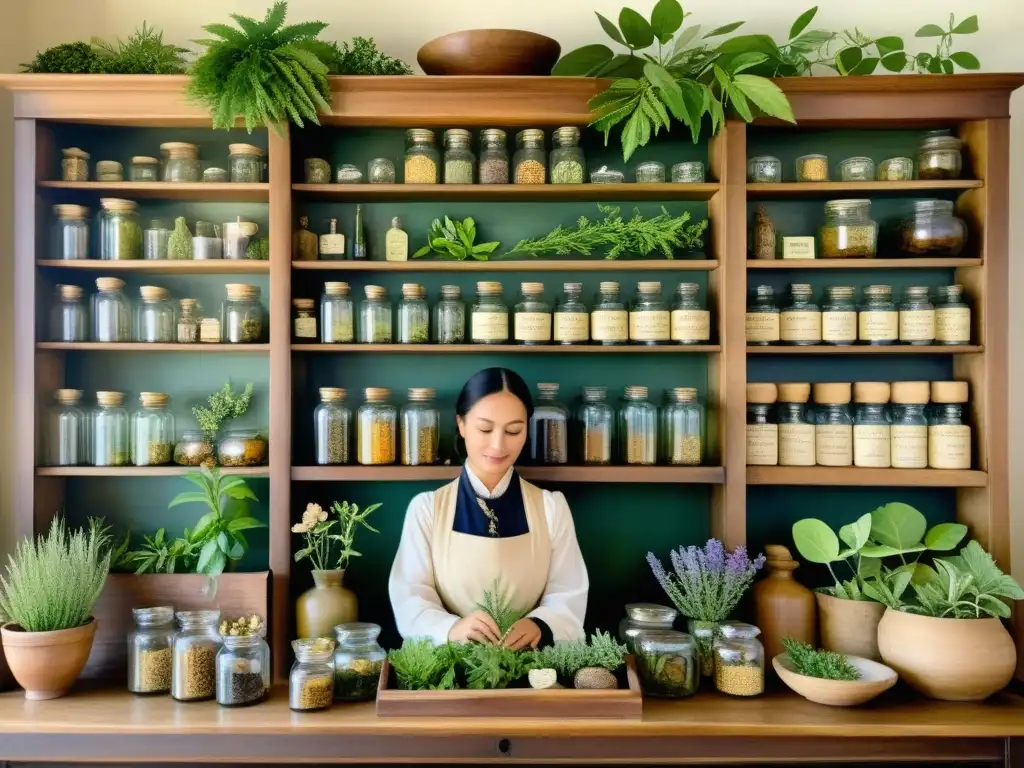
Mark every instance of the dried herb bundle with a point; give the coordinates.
(497, 605)
(826, 665)
(224, 404)
(363, 58)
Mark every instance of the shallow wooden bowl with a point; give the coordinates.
(875, 679)
(489, 52)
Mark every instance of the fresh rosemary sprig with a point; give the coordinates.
(498, 606)
(826, 665)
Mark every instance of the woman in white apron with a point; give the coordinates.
(489, 526)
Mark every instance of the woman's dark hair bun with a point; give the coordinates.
(487, 382)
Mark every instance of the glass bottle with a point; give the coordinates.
(877, 318)
(359, 252)
(120, 233)
(532, 318)
(413, 315)
(848, 232)
(304, 320)
(376, 428)
(682, 428)
(70, 233)
(917, 317)
(311, 680)
(908, 432)
(109, 170)
(529, 163)
(421, 426)
(188, 321)
(649, 317)
(336, 314)
(155, 317)
(150, 650)
(243, 670)
(796, 430)
(933, 230)
(108, 431)
(332, 242)
(145, 168)
(949, 438)
(450, 316)
(871, 432)
(493, 156)
(952, 316)
(396, 242)
(421, 157)
(242, 314)
(246, 163)
(357, 661)
(181, 162)
(152, 431)
(459, 160)
(609, 320)
(549, 428)
(739, 660)
(939, 157)
(567, 163)
(69, 317)
(111, 313)
(667, 663)
(75, 164)
(833, 425)
(332, 427)
(488, 317)
(156, 240)
(638, 428)
(762, 425)
(196, 643)
(571, 319)
(67, 428)
(800, 321)
(641, 617)
(596, 422)
(690, 322)
(375, 316)
(762, 322)
(839, 316)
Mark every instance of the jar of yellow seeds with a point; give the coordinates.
(376, 428)
(739, 660)
(421, 157)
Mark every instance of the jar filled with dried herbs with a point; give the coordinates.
(609, 320)
(459, 160)
(833, 425)
(762, 425)
(567, 163)
(690, 321)
(908, 446)
(317, 170)
(939, 157)
(896, 169)
(246, 162)
(375, 316)
(849, 231)
(532, 316)
(380, 170)
(357, 661)
(952, 316)
(650, 172)
(596, 421)
(450, 316)
(649, 316)
(194, 450)
(242, 314)
(638, 428)
(796, 430)
(933, 230)
(109, 170)
(949, 438)
(689, 172)
(75, 164)
(917, 316)
(839, 316)
(332, 427)
(857, 169)
(421, 425)
(111, 312)
(529, 163)
(304, 320)
(762, 321)
(337, 324)
(871, 431)
(242, 448)
(311, 681)
(70, 233)
(571, 319)
(181, 162)
(194, 668)
(421, 157)
(549, 428)
(800, 321)
(150, 650)
(413, 315)
(376, 428)
(154, 322)
(493, 156)
(488, 316)
(152, 431)
(243, 663)
(69, 317)
(877, 319)
(764, 169)
(67, 428)
(667, 663)
(682, 428)
(812, 168)
(739, 660)
(120, 233)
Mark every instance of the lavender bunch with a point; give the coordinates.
(709, 582)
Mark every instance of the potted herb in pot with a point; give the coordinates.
(950, 642)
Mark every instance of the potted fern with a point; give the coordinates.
(47, 594)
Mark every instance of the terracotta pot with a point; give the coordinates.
(949, 659)
(849, 626)
(46, 664)
(320, 609)
(784, 606)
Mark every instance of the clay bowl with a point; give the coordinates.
(875, 679)
(489, 52)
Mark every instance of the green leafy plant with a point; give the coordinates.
(69, 58)
(827, 665)
(569, 657)
(158, 553)
(327, 550)
(965, 586)
(419, 665)
(224, 404)
(363, 58)
(637, 235)
(498, 606)
(258, 249)
(263, 71)
(143, 53)
(493, 666)
(455, 240)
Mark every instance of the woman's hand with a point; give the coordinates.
(524, 634)
(477, 627)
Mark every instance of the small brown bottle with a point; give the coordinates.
(785, 608)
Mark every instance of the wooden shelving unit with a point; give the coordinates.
(911, 263)
(839, 188)
(96, 346)
(553, 265)
(156, 267)
(567, 474)
(508, 192)
(515, 349)
(173, 471)
(863, 349)
(853, 476)
(167, 190)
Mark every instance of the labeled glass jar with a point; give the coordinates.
(316, 170)
(196, 643)
(529, 163)
(952, 316)
(70, 233)
(69, 318)
(209, 330)
(739, 660)
(877, 319)
(246, 163)
(871, 431)
(638, 428)
(857, 169)
(420, 428)
(649, 316)
(762, 425)
(609, 320)
(242, 448)
(109, 170)
(896, 169)
(532, 316)
(567, 163)
(120, 233)
(243, 670)
(156, 240)
(67, 428)
(848, 232)
(549, 428)
(145, 168)
(151, 650)
(839, 316)
(421, 157)
(917, 317)
(493, 156)
(488, 316)
(188, 321)
(571, 319)
(606, 175)
(152, 431)
(762, 322)
(111, 312)
(939, 157)
(194, 450)
(337, 324)
(346, 173)
(812, 168)
(643, 617)
(181, 162)
(304, 320)
(796, 429)
(800, 321)
(682, 429)
(833, 425)
(650, 172)
(376, 428)
(380, 170)
(413, 315)
(75, 164)
(450, 316)
(357, 661)
(764, 169)
(949, 438)
(933, 230)
(332, 427)
(690, 172)
(459, 160)
(311, 680)
(242, 314)
(908, 447)
(154, 322)
(375, 316)
(596, 421)
(667, 663)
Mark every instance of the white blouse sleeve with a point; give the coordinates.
(564, 603)
(414, 599)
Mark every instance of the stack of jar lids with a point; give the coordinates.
(154, 399)
(332, 394)
(66, 211)
(375, 291)
(109, 283)
(110, 398)
(336, 289)
(153, 293)
(242, 291)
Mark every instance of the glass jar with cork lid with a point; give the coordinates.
(420, 428)
(188, 321)
(152, 431)
(638, 428)
(649, 316)
(413, 315)
(529, 163)
(311, 680)
(493, 156)
(949, 438)
(375, 316)
(567, 162)
(952, 316)
(75, 164)
(917, 317)
(459, 160)
(690, 322)
(108, 431)
(933, 230)
(450, 316)
(421, 157)
(848, 232)
(304, 320)
(596, 422)
(488, 316)
(196, 644)
(908, 446)
(839, 316)
(150, 650)
(246, 163)
(376, 428)
(739, 660)
(111, 312)
(762, 425)
(155, 316)
(800, 320)
(109, 170)
(67, 429)
(120, 233)
(69, 317)
(337, 312)
(571, 319)
(682, 429)
(532, 316)
(872, 436)
(332, 427)
(549, 428)
(609, 320)
(70, 233)
(833, 424)
(762, 324)
(145, 168)
(181, 162)
(796, 429)
(242, 314)
(877, 319)
(939, 157)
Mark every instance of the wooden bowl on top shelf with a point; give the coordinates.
(875, 679)
(506, 52)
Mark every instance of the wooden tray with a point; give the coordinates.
(621, 704)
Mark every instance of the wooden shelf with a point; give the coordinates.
(867, 349)
(829, 188)
(567, 474)
(519, 349)
(368, 193)
(865, 477)
(164, 267)
(168, 190)
(166, 471)
(518, 265)
(909, 263)
(134, 346)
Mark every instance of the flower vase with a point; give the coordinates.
(320, 609)
(704, 634)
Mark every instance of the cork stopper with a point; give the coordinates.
(794, 392)
(375, 291)
(179, 149)
(648, 287)
(72, 292)
(683, 394)
(242, 291)
(109, 283)
(336, 289)
(878, 290)
(117, 205)
(572, 287)
(762, 393)
(153, 293)
(108, 166)
(547, 388)
(608, 286)
(110, 398)
(840, 291)
(144, 160)
(833, 393)
(68, 396)
(70, 211)
(949, 391)
(413, 290)
(636, 392)
(332, 394)
(450, 292)
(489, 288)
(376, 394)
(303, 303)
(871, 392)
(74, 153)
(244, 149)
(532, 289)
(188, 303)
(154, 399)
(594, 394)
(421, 394)
(800, 289)
(910, 392)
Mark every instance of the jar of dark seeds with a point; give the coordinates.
(450, 316)
(567, 163)
(549, 428)
(380, 170)
(242, 314)
(150, 650)
(357, 661)
(420, 428)
(493, 156)
(529, 164)
(311, 681)
(459, 161)
(196, 643)
(243, 663)
(332, 427)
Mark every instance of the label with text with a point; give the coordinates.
(572, 326)
(833, 445)
(489, 326)
(800, 326)
(871, 445)
(839, 326)
(953, 325)
(609, 325)
(305, 327)
(762, 327)
(949, 446)
(649, 326)
(691, 325)
(917, 325)
(879, 326)
(533, 326)
(796, 445)
(763, 444)
(909, 446)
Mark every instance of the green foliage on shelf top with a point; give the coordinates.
(363, 58)
(224, 404)
(143, 53)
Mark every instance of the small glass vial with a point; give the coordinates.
(796, 430)
(532, 316)
(857, 169)
(376, 428)
(380, 170)
(450, 316)
(849, 231)
(196, 643)
(421, 157)
(488, 316)
(413, 315)
(833, 425)
(243, 668)
(800, 321)
(69, 318)
(596, 421)
(347, 173)
(606, 175)
(762, 426)
(120, 233)
(896, 169)
(332, 427)
(567, 163)
(150, 650)
(246, 163)
(421, 427)
(529, 163)
(739, 660)
(649, 317)
(949, 438)
(311, 680)
(152, 431)
(188, 321)
(337, 324)
(638, 428)
(111, 312)
(304, 320)
(877, 320)
(145, 168)
(682, 429)
(75, 165)
(549, 428)
(108, 431)
(571, 319)
(839, 316)
(642, 617)
(316, 170)
(691, 172)
(952, 316)
(609, 320)
(67, 428)
(939, 157)
(762, 322)
(375, 316)
(459, 160)
(70, 233)
(933, 230)
(667, 663)
(650, 172)
(917, 317)
(156, 240)
(493, 156)
(155, 316)
(764, 169)
(357, 661)
(908, 448)
(871, 431)
(242, 314)
(109, 170)
(181, 162)
(812, 168)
